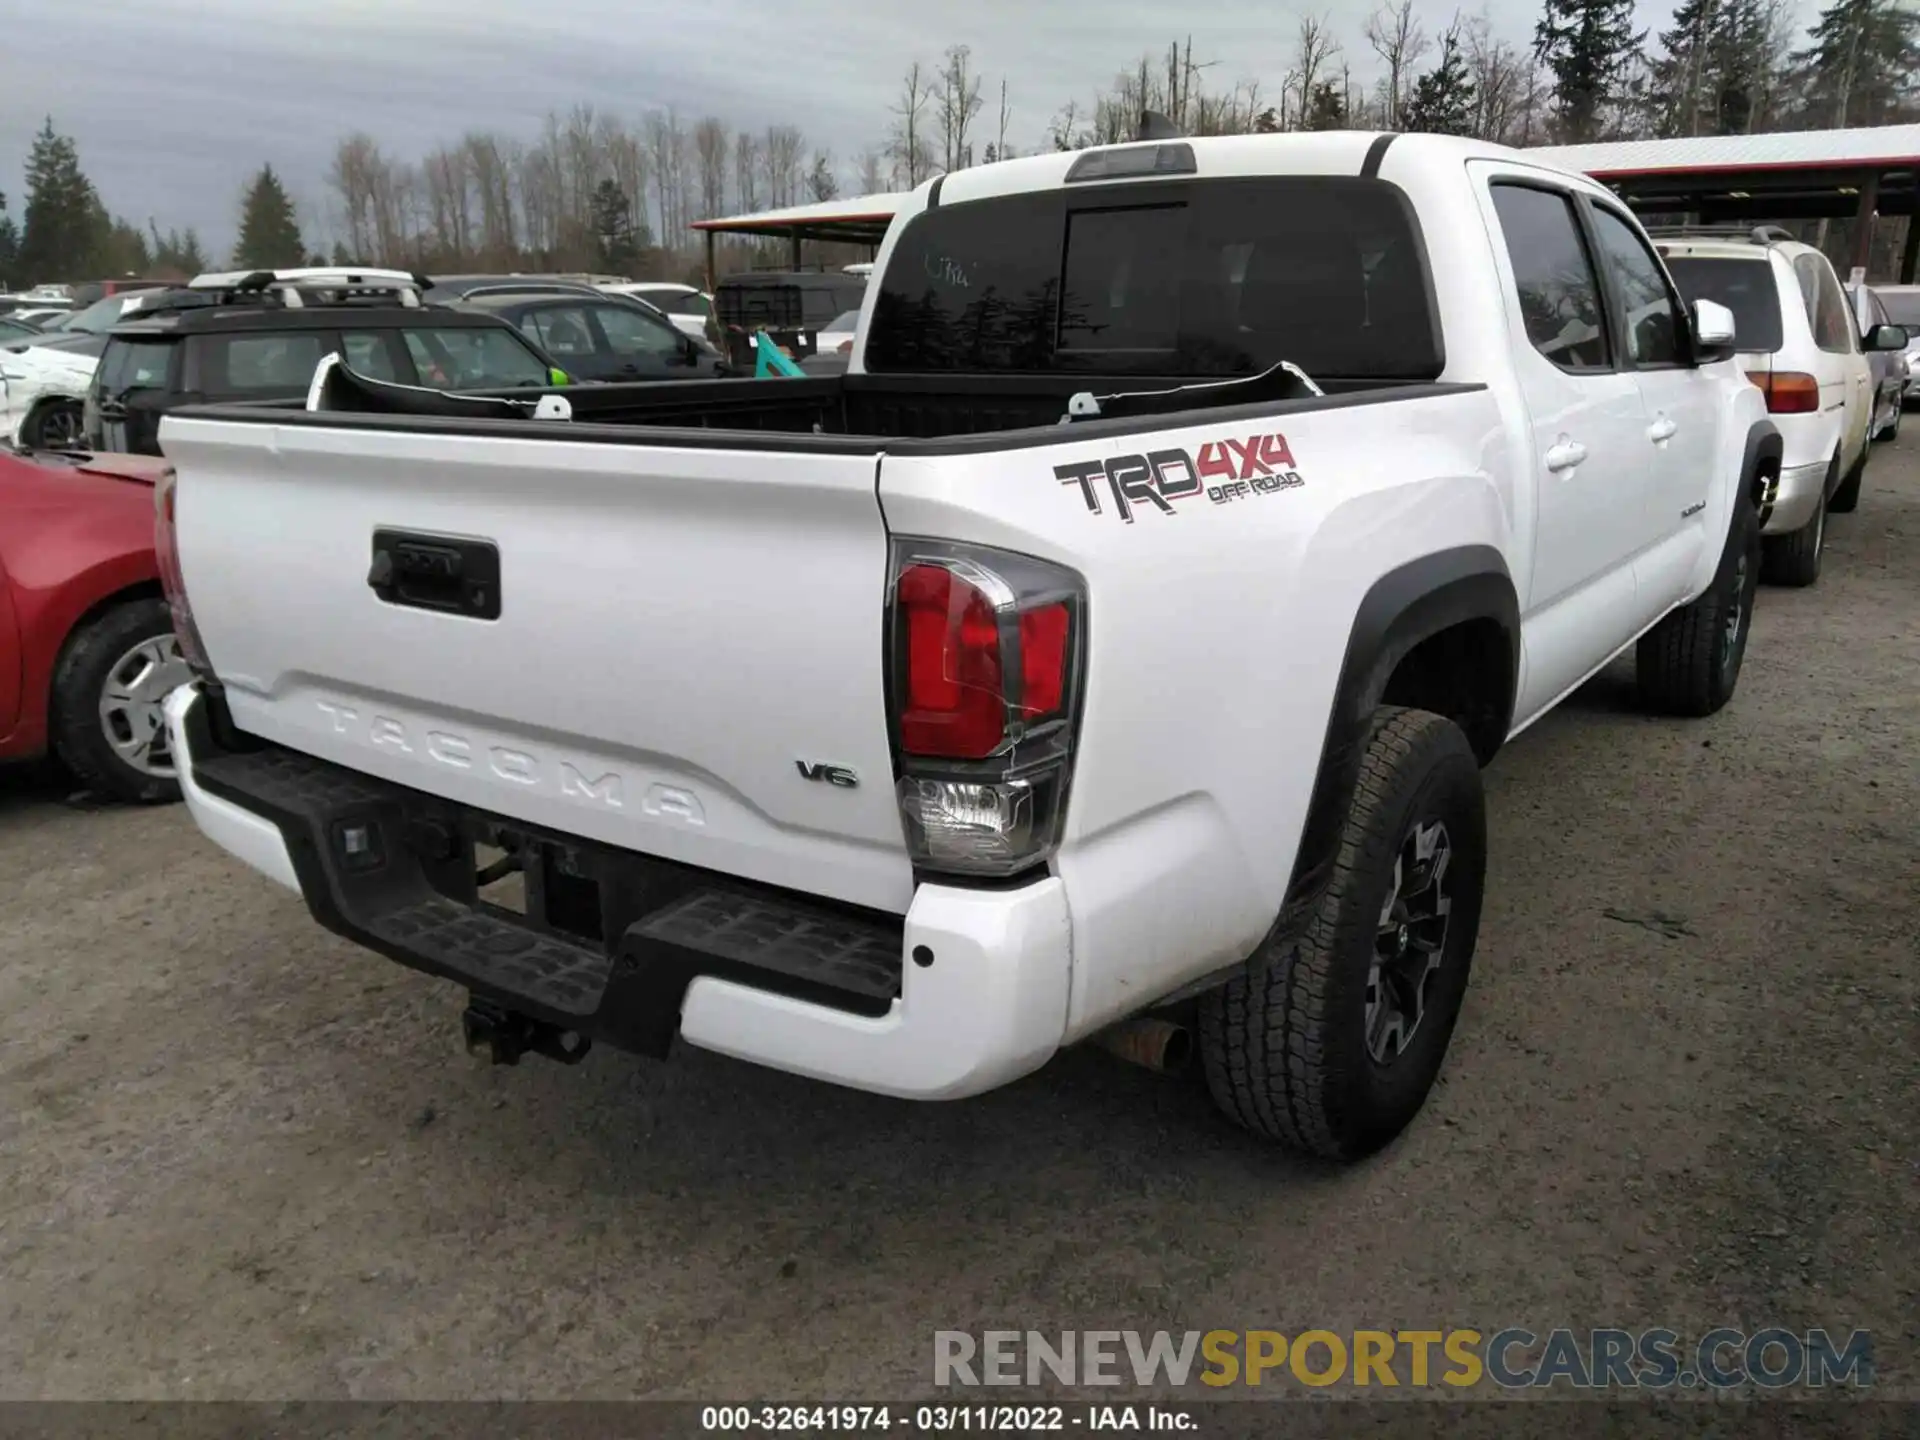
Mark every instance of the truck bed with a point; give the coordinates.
(841, 414)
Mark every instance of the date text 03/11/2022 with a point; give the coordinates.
(943, 1419)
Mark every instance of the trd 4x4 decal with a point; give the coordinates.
(1226, 470)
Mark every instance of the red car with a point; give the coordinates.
(87, 652)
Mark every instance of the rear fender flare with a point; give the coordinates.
(1402, 608)
(1760, 467)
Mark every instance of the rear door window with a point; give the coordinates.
(1746, 287)
(1554, 279)
(473, 358)
(261, 365)
(1215, 277)
(371, 353)
(564, 332)
(1826, 306)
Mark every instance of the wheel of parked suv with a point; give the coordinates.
(108, 688)
(1891, 430)
(1330, 1040)
(1795, 559)
(1689, 663)
(55, 425)
(1846, 499)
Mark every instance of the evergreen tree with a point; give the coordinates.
(1859, 68)
(61, 222)
(269, 230)
(1326, 108)
(616, 246)
(1442, 99)
(118, 249)
(1711, 77)
(9, 244)
(1586, 46)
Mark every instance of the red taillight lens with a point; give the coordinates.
(954, 706)
(1788, 392)
(845, 347)
(1043, 660)
(986, 693)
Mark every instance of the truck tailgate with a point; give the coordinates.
(688, 641)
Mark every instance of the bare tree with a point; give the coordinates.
(873, 177)
(444, 177)
(746, 172)
(1400, 42)
(1006, 114)
(357, 162)
(912, 156)
(1314, 51)
(490, 170)
(957, 97)
(626, 162)
(711, 151)
(783, 152)
(666, 158)
(1506, 87)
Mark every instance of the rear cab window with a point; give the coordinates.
(1745, 286)
(1206, 277)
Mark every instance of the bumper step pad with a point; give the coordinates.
(417, 903)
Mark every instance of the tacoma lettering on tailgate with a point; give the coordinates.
(1227, 470)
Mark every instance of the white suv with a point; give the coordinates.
(1798, 343)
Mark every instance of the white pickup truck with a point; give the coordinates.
(1071, 658)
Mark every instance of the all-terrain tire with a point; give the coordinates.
(1690, 662)
(93, 655)
(1285, 1046)
(1846, 497)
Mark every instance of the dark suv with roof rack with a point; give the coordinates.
(261, 338)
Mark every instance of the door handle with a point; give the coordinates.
(1565, 455)
(1662, 429)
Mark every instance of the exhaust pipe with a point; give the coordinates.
(1159, 1045)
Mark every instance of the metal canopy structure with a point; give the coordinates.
(1792, 175)
(858, 220)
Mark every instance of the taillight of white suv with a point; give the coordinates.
(166, 547)
(986, 652)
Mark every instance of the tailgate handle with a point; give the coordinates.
(436, 572)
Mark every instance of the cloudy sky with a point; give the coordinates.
(175, 102)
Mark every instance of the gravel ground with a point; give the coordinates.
(240, 1158)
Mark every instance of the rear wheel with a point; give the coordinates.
(108, 689)
(1330, 1039)
(1795, 559)
(1891, 430)
(53, 425)
(1690, 662)
(1846, 499)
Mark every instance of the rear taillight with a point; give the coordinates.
(986, 651)
(1788, 392)
(166, 547)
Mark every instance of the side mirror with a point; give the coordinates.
(1713, 332)
(1886, 337)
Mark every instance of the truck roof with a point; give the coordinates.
(1329, 152)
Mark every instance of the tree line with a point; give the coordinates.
(593, 191)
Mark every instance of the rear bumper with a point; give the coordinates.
(1801, 489)
(966, 992)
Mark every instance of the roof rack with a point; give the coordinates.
(1757, 234)
(294, 289)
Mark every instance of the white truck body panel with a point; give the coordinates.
(679, 628)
